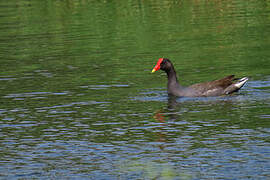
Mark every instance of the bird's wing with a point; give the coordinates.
(214, 85)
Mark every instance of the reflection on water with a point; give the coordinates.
(218, 131)
(151, 170)
(191, 138)
(78, 100)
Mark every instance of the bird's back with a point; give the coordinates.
(213, 88)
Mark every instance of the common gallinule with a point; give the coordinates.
(219, 87)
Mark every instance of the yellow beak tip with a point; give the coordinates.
(153, 70)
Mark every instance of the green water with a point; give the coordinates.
(78, 100)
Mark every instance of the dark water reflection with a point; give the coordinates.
(218, 135)
(78, 100)
(191, 138)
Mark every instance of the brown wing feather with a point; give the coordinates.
(216, 84)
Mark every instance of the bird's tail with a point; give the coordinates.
(236, 86)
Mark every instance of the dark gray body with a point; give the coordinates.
(219, 87)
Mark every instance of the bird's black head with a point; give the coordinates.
(163, 64)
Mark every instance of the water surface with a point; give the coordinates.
(78, 100)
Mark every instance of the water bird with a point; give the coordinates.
(224, 86)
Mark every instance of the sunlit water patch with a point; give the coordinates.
(34, 95)
(105, 86)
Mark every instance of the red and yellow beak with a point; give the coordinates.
(157, 67)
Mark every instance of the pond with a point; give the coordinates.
(78, 100)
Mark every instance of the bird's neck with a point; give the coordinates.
(173, 84)
(172, 78)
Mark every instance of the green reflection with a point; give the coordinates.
(152, 170)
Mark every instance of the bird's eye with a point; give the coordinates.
(163, 62)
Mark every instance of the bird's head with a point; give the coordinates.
(163, 64)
